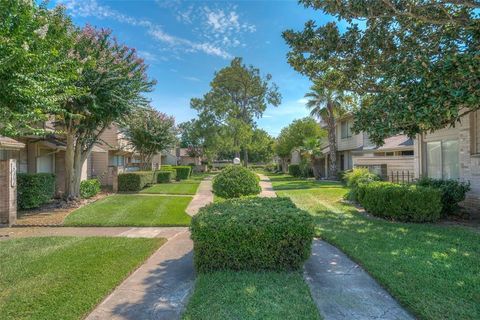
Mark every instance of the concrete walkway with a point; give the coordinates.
(203, 197)
(129, 232)
(267, 188)
(341, 289)
(159, 289)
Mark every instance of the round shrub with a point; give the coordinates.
(252, 234)
(453, 192)
(356, 177)
(236, 181)
(89, 188)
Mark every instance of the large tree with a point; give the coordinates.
(238, 96)
(327, 104)
(260, 148)
(112, 79)
(149, 132)
(415, 62)
(35, 72)
(293, 136)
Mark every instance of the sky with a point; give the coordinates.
(185, 42)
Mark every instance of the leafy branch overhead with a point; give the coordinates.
(415, 63)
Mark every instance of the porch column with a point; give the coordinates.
(8, 192)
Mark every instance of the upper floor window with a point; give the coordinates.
(346, 129)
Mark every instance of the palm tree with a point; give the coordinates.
(327, 105)
(312, 150)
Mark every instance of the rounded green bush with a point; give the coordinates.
(252, 234)
(236, 181)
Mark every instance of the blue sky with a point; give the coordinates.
(185, 42)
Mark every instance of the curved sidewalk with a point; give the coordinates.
(341, 289)
(203, 197)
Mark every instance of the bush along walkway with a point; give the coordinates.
(340, 288)
(160, 288)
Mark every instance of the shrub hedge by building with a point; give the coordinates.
(453, 192)
(171, 169)
(135, 181)
(252, 234)
(89, 188)
(236, 181)
(294, 170)
(401, 202)
(164, 176)
(34, 189)
(354, 178)
(183, 172)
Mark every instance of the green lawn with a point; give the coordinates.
(64, 277)
(180, 187)
(133, 210)
(433, 270)
(246, 295)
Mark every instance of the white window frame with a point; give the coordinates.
(442, 160)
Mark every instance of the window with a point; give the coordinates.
(406, 153)
(475, 132)
(389, 154)
(346, 129)
(45, 161)
(442, 159)
(117, 161)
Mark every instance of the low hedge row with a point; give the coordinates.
(34, 189)
(164, 176)
(135, 181)
(89, 188)
(251, 234)
(401, 202)
(294, 170)
(171, 169)
(453, 192)
(235, 182)
(183, 172)
(354, 178)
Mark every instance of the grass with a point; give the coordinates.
(433, 270)
(188, 187)
(245, 295)
(64, 277)
(133, 210)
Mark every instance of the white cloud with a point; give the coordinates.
(91, 8)
(191, 78)
(148, 56)
(302, 101)
(220, 26)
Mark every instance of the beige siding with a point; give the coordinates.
(100, 166)
(395, 163)
(469, 163)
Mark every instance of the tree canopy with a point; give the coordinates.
(35, 72)
(238, 96)
(415, 63)
(149, 132)
(294, 135)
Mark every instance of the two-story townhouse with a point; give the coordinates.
(394, 159)
(453, 153)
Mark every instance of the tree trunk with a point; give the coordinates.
(332, 174)
(245, 157)
(285, 165)
(69, 165)
(316, 167)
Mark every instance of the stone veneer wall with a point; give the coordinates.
(8, 192)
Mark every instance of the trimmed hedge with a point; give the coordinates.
(236, 181)
(164, 176)
(183, 172)
(169, 168)
(34, 189)
(354, 178)
(89, 188)
(401, 202)
(252, 234)
(135, 181)
(294, 170)
(453, 192)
